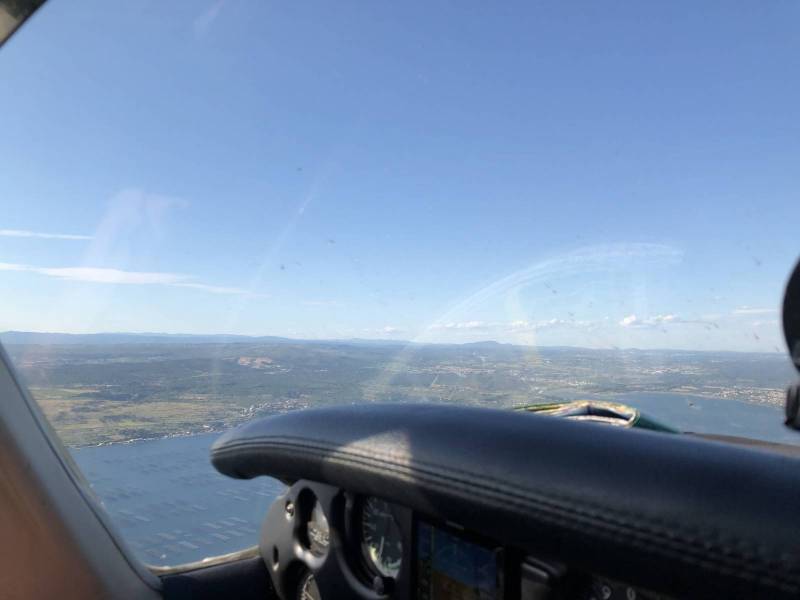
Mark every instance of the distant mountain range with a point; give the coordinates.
(32, 337)
(47, 339)
(104, 339)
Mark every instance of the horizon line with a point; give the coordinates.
(377, 340)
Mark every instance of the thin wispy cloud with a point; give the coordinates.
(24, 233)
(473, 325)
(749, 310)
(633, 321)
(386, 330)
(118, 276)
(519, 326)
(528, 326)
(97, 275)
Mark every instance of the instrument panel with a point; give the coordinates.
(381, 540)
(320, 543)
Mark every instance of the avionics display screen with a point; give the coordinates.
(451, 568)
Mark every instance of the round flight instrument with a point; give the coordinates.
(380, 538)
(308, 590)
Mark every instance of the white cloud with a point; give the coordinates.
(749, 310)
(460, 325)
(117, 276)
(634, 321)
(391, 329)
(517, 326)
(24, 233)
(512, 327)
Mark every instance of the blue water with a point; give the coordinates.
(173, 507)
(710, 415)
(169, 503)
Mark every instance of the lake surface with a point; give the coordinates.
(170, 504)
(172, 507)
(710, 415)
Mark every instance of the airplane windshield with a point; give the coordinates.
(217, 211)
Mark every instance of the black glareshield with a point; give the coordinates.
(791, 316)
(791, 330)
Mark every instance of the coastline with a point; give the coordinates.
(182, 434)
(694, 402)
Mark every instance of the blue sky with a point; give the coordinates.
(593, 174)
